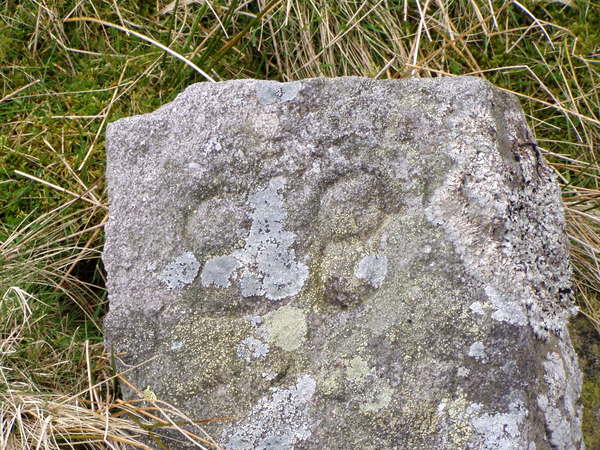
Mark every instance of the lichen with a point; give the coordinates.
(176, 345)
(501, 431)
(217, 271)
(477, 351)
(251, 348)
(413, 249)
(278, 422)
(507, 309)
(207, 345)
(382, 397)
(268, 261)
(269, 92)
(286, 327)
(277, 274)
(453, 416)
(463, 372)
(357, 370)
(181, 272)
(467, 425)
(510, 219)
(558, 404)
(477, 308)
(372, 268)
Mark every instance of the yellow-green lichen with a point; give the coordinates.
(455, 414)
(382, 397)
(331, 382)
(357, 370)
(207, 346)
(286, 327)
(421, 416)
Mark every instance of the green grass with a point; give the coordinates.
(62, 82)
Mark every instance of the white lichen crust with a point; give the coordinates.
(268, 259)
(277, 422)
(372, 268)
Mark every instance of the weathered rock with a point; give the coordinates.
(344, 263)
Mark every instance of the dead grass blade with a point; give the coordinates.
(144, 38)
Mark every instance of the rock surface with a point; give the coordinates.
(344, 263)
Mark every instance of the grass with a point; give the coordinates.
(63, 79)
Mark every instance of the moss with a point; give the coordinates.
(587, 345)
(591, 411)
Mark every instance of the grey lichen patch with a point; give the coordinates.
(501, 430)
(557, 423)
(554, 372)
(286, 327)
(279, 422)
(507, 309)
(382, 397)
(180, 272)
(477, 351)
(250, 285)
(268, 259)
(176, 345)
(275, 274)
(251, 348)
(477, 308)
(373, 269)
(269, 92)
(559, 404)
(217, 271)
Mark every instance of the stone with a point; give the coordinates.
(343, 263)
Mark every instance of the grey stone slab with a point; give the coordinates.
(344, 263)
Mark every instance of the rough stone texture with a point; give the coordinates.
(344, 263)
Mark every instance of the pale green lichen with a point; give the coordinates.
(357, 370)
(382, 397)
(330, 382)
(286, 327)
(378, 395)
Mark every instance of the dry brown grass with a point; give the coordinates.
(35, 414)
